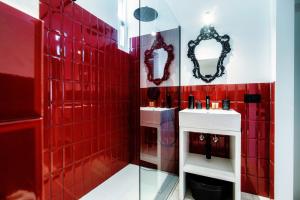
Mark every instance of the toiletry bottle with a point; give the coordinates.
(198, 105)
(169, 100)
(207, 102)
(191, 102)
(226, 104)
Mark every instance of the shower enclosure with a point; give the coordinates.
(138, 94)
(159, 81)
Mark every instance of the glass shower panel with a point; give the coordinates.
(159, 81)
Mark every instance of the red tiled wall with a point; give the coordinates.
(20, 104)
(86, 101)
(257, 131)
(272, 141)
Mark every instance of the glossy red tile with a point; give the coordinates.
(252, 166)
(57, 160)
(68, 176)
(231, 92)
(241, 90)
(244, 144)
(272, 112)
(77, 13)
(57, 186)
(75, 87)
(244, 183)
(221, 92)
(263, 149)
(271, 186)
(252, 184)
(265, 91)
(68, 155)
(44, 15)
(68, 134)
(252, 129)
(252, 148)
(241, 108)
(272, 132)
(263, 168)
(211, 92)
(47, 189)
(272, 85)
(263, 187)
(243, 165)
(68, 7)
(77, 31)
(56, 20)
(271, 151)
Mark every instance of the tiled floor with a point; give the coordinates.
(125, 185)
(153, 185)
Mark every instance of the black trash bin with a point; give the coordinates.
(204, 188)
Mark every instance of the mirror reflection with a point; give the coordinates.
(158, 60)
(160, 57)
(207, 53)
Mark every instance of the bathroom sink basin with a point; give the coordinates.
(210, 119)
(153, 115)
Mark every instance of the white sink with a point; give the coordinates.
(210, 119)
(152, 115)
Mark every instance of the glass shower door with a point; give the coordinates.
(159, 75)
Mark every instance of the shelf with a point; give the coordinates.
(218, 168)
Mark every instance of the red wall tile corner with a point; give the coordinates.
(21, 101)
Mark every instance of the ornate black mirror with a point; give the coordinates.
(208, 62)
(158, 60)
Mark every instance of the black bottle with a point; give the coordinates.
(191, 102)
(169, 100)
(208, 146)
(207, 102)
(226, 104)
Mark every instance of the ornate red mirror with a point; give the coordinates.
(158, 60)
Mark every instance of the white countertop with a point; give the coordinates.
(210, 120)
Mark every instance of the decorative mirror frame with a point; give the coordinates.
(158, 44)
(207, 33)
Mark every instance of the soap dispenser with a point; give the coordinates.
(207, 102)
(191, 102)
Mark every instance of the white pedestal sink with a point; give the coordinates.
(220, 122)
(157, 118)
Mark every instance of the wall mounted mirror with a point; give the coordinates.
(158, 60)
(207, 53)
(160, 57)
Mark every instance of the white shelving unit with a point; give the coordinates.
(162, 119)
(218, 122)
